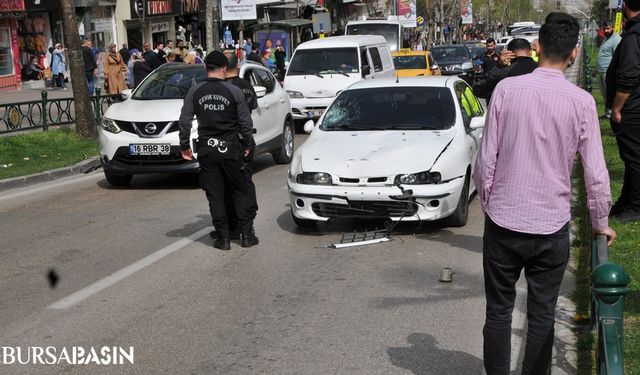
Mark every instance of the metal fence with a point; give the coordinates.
(609, 285)
(44, 113)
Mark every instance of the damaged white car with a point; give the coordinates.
(386, 149)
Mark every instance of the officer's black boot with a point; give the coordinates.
(222, 243)
(249, 237)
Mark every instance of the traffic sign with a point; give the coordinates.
(420, 20)
(618, 25)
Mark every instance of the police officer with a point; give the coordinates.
(225, 137)
(251, 98)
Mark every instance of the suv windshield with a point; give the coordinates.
(391, 108)
(390, 32)
(410, 62)
(450, 53)
(169, 83)
(324, 61)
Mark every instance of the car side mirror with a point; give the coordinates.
(476, 122)
(309, 126)
(366, 70)
(261, 91)
(126, 94)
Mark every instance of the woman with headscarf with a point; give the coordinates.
(114, 71)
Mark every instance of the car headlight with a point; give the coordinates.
(467, 65)
(314, 178)
(110, 125)
(421, 178)
(295, 94)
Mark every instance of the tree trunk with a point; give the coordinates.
(209, 27)
(85, 123)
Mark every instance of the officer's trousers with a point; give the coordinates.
(217, 171)
(628, 137)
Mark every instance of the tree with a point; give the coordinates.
(85, 123)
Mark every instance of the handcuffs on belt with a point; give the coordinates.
(221, 144)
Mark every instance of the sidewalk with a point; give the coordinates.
(26, 95)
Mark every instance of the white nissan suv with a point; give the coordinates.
(140, 134)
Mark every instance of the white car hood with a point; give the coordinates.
(312, 86)
(145, 110)
(373, 153)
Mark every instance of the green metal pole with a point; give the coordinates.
(609, 284)
(44, 94)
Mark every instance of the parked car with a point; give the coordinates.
(321, 68)
(410, 63)
(140, 135)
(403, 150)
(454, 60)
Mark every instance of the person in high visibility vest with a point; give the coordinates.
(534, 50)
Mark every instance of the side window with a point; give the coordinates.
(249, 76)
(432, 62)
(465, 106)
(375, 57)
(363, 57)
(263, 78)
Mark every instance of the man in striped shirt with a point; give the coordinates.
(536, 124)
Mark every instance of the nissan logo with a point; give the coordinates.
(150, 128)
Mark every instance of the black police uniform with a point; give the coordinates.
(252, 102)
(225, 130)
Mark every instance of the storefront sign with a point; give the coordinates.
(407, 13)
(159, 27)
(158, 7)
(42, 5)
(11, 5)
(233, 10)
(466, 11)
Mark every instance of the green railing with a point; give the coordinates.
(609, 285)
(44, 113)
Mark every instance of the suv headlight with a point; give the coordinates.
(467, 65)
(421, 178)
(110, 125)
(314, 178)
(295, 94)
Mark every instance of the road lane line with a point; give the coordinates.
(129, 270)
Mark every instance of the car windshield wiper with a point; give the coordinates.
(350, 127)
(337, 72)
(318, 75)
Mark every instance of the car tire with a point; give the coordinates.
(461, 214)
(118, 179)
(303, 223)
(284, 154)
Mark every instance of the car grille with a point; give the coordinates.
(368, 209)
(141, 129)
(348, 180)
(174, 157)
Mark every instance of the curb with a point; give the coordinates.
(85, 166)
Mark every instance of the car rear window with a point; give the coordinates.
(391, 108)
(410, 62)
(169, 83)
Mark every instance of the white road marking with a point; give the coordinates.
(122, 274)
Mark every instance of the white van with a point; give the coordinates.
(321, 68)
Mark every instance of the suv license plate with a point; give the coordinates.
(150, 149)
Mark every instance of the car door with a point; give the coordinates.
(261, 116)
(470, 107)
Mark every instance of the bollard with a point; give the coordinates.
(609, 283)
(97, 105)
(43, 113)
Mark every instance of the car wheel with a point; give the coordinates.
(284, 154)
(461, 214)
(303, 223)
(118, 179)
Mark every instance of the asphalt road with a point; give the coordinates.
(137, 268)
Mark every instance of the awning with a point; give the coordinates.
(290, 23)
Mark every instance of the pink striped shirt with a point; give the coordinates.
(536, 123)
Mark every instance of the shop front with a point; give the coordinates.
(10, 12)
(97, 21)
(36, 32)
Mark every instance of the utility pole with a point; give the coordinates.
(428, 21)
(209, 25)
(85, 123)
(216, 23)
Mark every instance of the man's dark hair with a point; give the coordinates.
(634, 5)
(169, 41)
(255, 46)
(233, 59)
(559, 36)
(490, 40)
(519, 44)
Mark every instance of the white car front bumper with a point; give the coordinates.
(309, 108)
(321, 202)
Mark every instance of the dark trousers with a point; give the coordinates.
(628, 138)
(57, 80)
(544, 259)
(222, 177)
(91, 82)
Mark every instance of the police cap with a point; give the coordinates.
(215, 60)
